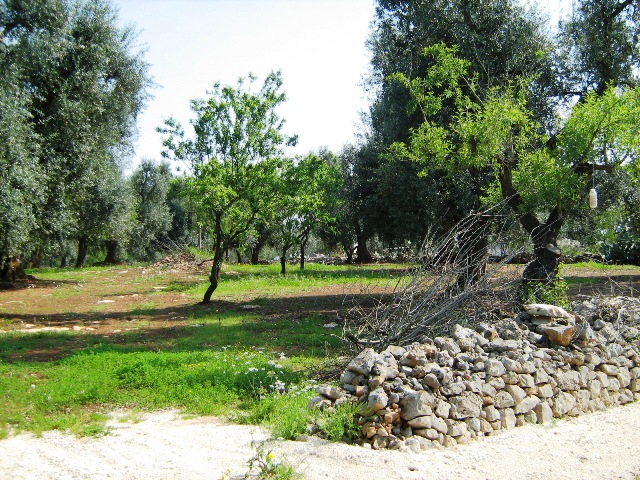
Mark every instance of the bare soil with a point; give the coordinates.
(598, 446)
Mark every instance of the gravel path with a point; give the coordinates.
(603, 445)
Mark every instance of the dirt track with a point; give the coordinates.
(604, 445)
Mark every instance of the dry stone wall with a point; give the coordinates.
(543, 364)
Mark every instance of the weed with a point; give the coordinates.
(340, 425)
(267, 466)
(554, 294)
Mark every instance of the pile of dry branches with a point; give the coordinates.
(455, 284)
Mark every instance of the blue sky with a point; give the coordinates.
(318, 44)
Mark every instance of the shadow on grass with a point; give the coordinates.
(602, 285)
(294, 325)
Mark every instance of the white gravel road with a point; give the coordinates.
(604, 445)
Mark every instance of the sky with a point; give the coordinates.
(319, 45)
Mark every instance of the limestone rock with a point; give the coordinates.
(543, 412)
(517, 393)
(508, 418)
(439, 424)
(503, 400)
(468, 404)
(569, 380)
(546, 310)
(559, 334)
(527, 404)
(420, 422)
(385, 366)
(495, 368)
(330, 392)
(364, 362)
(417, 404)
(377, 400)
(563, 403)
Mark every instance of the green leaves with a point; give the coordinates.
(233, 157)
(80, 85)
(499, 133)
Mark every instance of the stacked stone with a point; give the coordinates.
(449, 391)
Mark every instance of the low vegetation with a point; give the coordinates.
(252, 355)
(85, 342)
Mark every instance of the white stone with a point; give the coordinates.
(546, 310)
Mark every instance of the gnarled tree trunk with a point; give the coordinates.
(83, 249)
(362, 252)
(112, 252)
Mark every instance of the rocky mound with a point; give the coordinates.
(545, 363)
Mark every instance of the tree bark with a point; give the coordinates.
(283, 260)
(260, 243)
(303, 245)
(255, 254)
(214, 276)
(362, 252)
(239, 255)
(83, 249)
(112, 252)
(544, 267)
(218, 258)
(348, 251)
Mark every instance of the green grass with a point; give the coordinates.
(222, 360)
(258, 280)
(73, 393)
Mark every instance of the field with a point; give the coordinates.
(76, 344)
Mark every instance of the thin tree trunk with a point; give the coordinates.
(303, 245)
(239, 255)
(83, 248)
(214, 276)
(283, 260)
(218, 257)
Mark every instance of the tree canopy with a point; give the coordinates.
(72, 85)
(232, 158)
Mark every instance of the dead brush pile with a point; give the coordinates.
(180, 262)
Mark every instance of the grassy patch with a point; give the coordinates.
(73, 393)
(262, 331)
(152, 346)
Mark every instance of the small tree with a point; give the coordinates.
(232, 159)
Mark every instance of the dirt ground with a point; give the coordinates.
(164, 445)
(101, 308)
(598, 446)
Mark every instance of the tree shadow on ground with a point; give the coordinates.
(291, 324)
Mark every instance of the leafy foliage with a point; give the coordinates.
(77, 85)
(233, 159)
